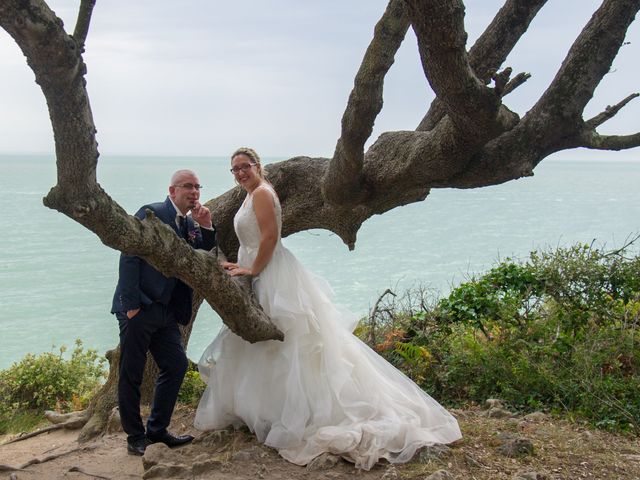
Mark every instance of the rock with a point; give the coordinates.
(203, 457)
(113, 422)
(516, 447)
(493, 403)
(323, 462)
(587, 435)
(213, 438)
(632, 457)
(498, 412)
(168, 471)
(430, 453)
(536, 417)
(55, 417)
(155, 454)
(530, 476)
(472, 462)
(506, 436)
(253, 454)
(440, 475)
(202, 466)
(262, 472)
(390, 473)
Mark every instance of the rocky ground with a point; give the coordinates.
(496, 445)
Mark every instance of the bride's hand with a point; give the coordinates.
(234, 269)
(234, 272)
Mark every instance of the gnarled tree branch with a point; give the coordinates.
(492, 48)
(609, 112)
(82, 23)
(587, 62)
(611, 142)
(439, 28)
(59, 69)
(343, 183)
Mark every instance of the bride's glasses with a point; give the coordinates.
(245, 167)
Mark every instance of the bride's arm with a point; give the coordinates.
(265, 211)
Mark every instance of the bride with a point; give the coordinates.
(321, 389)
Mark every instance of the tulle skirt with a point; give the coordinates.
(321, 389)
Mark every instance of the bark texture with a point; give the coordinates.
(468, 137)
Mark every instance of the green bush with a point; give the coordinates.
(192, 386)
(49, 381)
(559, 332)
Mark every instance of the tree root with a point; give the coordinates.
(48, 458)
(93, 475)
(35, 433)
(8, 468)
(72, 423)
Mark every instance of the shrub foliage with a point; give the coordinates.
(49, 381)
(559, 332)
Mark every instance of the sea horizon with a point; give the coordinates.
(57, 278)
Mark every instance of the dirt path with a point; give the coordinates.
(561, 450)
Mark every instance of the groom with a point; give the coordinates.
(149, 307)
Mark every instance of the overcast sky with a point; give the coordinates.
(202, 77)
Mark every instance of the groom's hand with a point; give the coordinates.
(202, 215)
(132, 313)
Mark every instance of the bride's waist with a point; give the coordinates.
(248, 253)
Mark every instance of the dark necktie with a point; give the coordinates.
(182, 226)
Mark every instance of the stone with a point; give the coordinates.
(631, 456)
(498, 412)
(262, 472)
(55, 417)
(203, 457)
(440, 475)
(168, 471)
(493, 403)
(530, 476)
(516, 447)
(213, 438)
(155, 454)
(201, 467)
(433, 452)
(536, 417)
(506, 436)
(253, 454)
(472, 462)
(390, 473)
(323, 462)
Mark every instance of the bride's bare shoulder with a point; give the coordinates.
(264, 190)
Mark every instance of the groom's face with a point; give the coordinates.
(184, 192)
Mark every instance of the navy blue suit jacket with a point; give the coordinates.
(140, 285)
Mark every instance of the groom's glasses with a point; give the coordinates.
(245, 167)
(189, 186)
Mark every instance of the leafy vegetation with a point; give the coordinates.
(192, 386)
(558, 332)
(48, 381)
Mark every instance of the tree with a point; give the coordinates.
(468, 137)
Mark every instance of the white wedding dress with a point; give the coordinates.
(321, 389)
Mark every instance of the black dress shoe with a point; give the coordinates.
(169, 440)
(137, 447)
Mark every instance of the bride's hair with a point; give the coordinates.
(253, 157)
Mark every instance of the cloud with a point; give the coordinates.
(201, 77)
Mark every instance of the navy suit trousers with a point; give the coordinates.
(152, 329)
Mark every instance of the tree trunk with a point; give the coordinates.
(468, 138)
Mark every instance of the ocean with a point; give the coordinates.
(57, 278)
